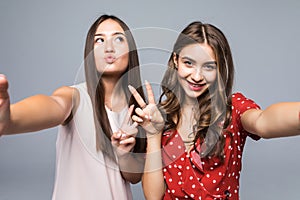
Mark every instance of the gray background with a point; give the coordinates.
(41, 48)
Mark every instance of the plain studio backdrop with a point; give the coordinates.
(41, 48)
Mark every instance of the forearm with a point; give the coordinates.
(35, 113)
(152, 180)
(131, 166)
(279, 120)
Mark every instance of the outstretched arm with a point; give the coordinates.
(278, 120)
(150, 118)
(34, 113)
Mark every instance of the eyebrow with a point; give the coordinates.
(192, 60)
(211, 62)
(115, 33)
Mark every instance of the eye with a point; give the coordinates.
(119, 39)
(99, 40)
(209, 67)
(188, 63)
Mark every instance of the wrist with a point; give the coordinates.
(121, 154)
(155, 136)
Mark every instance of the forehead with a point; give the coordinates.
(198, 52)
(109, 26)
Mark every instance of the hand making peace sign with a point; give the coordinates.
(149, 117)
(124, 139)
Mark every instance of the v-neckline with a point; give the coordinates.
(183, 144)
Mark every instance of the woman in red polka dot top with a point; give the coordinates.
(197, 134)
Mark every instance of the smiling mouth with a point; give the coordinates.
(196, 86)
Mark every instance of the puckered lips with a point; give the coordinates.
(109, 59)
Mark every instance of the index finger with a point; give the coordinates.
(137, 96)
(150, 94)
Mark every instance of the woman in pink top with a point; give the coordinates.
(195, 138)
(96, 138)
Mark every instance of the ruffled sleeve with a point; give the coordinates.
(240, 104)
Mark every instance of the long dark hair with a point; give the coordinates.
(96, 88)
(215, 103)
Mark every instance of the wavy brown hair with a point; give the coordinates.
(215, 103)
(96, 88)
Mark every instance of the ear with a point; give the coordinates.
(175, 60)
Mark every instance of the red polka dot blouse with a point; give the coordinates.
(188, 176)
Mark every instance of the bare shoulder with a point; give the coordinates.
(68, 97)
(64, 90)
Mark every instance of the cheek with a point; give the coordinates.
(98, 50)
(121, 50)
(122, 55)
(183, 72)
(99, 60)
(98, 53)
(210, 77)
(123, 60)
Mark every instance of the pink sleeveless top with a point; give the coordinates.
(81, 171)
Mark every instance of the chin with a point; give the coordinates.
(195, 95)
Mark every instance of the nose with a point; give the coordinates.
(109, 47)
(197, 75)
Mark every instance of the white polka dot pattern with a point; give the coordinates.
(188, 176)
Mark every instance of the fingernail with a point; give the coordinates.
(130, 88)
(148, 117)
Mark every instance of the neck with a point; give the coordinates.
(115, 98)
(187, 120)
(190, 107)
(188, 101)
